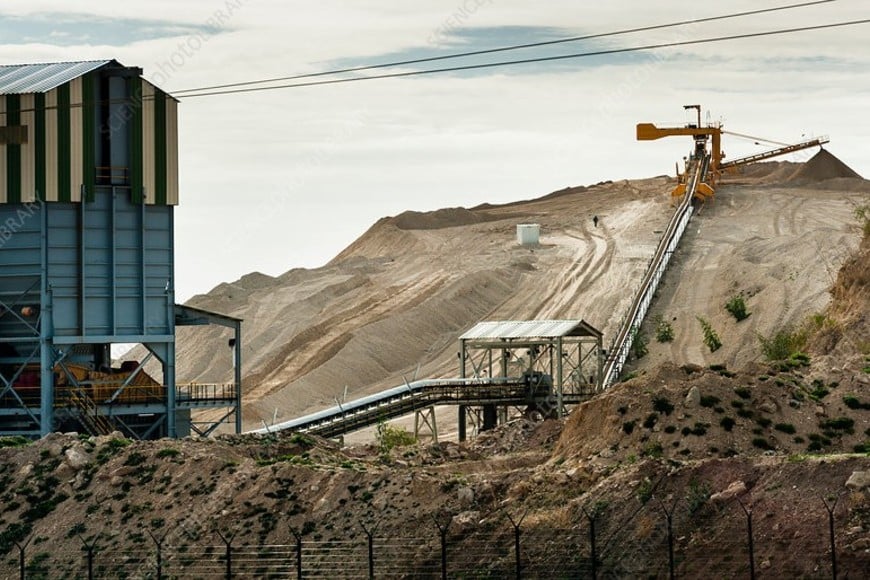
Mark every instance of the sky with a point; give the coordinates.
(282, 179)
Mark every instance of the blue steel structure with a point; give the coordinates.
(88, 260)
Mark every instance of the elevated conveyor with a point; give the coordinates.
(417, 395)
(621, 345)
(784, 150)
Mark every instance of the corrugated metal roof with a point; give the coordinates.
(530, 329)
(41, 78)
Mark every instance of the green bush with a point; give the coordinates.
(709, 400)
(785, 428)
(699, 429)
(839, 424)
(650, 420)
(761, 443)
(653, 450)
(727, 423)
(664, 331)
(168, 452)
(783, 345)
(855, 403)
(628, 427)
(697, 495)
(663, 405)
(390, 437)
(638, 344)
(711, 337)
(14, 441)
(737, 307)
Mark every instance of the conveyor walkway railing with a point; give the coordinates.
(410, 397)
(620, 348)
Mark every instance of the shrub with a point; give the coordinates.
(711, 338)
(653, 450)
(855, 403)
(650, 420)
(697, 495)
(168, 452)
(709, 400)
(135, 458)
(745, 413)
(390, 437)
(14, 441)
(663, 405)
(737, 307)
(664, 331)
(763, 421)
(670, 429)
(839, 424)
(782, 345)
(699, 429)
(638, 344)
(628, 427)
(761, 443)
(785, 428)
(645, 490)
(727, 423)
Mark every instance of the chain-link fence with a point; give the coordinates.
(656, 541)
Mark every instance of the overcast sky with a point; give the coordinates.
(287, 178)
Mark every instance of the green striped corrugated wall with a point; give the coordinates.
(58, 161)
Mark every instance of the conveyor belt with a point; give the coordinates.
(417, 395)
(618, 352)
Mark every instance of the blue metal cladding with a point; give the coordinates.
(109, 265)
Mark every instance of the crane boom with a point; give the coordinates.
(775, 152)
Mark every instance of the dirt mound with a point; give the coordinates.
(692, 413)
(442, 218)
(823, 165)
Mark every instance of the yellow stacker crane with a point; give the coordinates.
(713, 133)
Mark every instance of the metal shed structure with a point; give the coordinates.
(564, 355)
(88, 185)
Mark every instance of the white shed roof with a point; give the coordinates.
(530, 329)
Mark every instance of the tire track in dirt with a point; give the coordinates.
(581, 275)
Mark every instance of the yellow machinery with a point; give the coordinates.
(715, 165)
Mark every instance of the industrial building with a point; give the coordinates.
(88, 188)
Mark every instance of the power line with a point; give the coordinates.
(538, 59)
(505, 48)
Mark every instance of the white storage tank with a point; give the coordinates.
(528, 234)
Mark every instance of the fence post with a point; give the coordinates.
(298, 538)
(370, 533)
(591, 517)
(442, 530)
(516, 525)
(229, 553)
(830, 508)
(748, 513)
(669, 515)
(90, 547)
(159, 544)
(22, 563)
